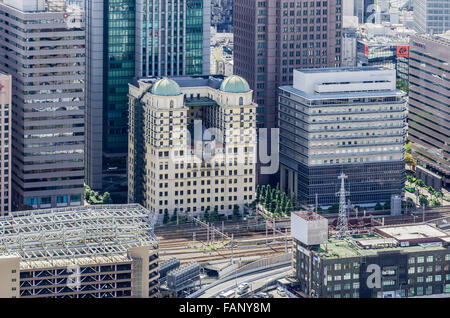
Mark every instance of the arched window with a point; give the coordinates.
(171, 104)
(241, 101)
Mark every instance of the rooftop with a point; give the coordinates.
(89, 233)
(341, 69)
(412, 232)
(406, 238)
(350, 247)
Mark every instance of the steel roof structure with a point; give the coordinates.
(76, 232)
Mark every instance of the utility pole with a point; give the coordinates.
(207, 233)
(342, 223)
(423, 212)
(285, 240)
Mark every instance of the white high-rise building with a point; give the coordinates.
(335, 120)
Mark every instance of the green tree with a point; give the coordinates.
(423, 200)
(214, 215)
(236, 214)
(258, 192)
(378, 207)
(206, 216)
(166, 216)
(420, 183)
(387, 205)
(106, 199)
(174, 215)
(289, 208)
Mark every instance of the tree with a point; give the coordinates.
(236, 214)
(423, 200)
(107, 198)
(258, 192)
(278, 210)
(166, 216)
(174, 215)
(289, 208)
(410, 160)
(214, 215)
(378, 207)
(206, 216)
(387, 205)
(420, 183)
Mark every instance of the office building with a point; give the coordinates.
(43, 48)
(350, 120)
(272, 38)
(385, 45)
(129, 38)
(431, 16)
(5, 147)
(192, 144)
(382, 262)
(81, 252)
(428, 116)
(364, 10)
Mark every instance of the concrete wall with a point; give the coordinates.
(9, 276)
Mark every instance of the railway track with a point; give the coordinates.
(226, 254)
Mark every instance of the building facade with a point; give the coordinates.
(43, 48)
(80, 259)
(192, 144)
(385, 52)
(431, 16)
(385, 262)
(273, 37)
(5, 139)
(428, 116)
(350, 120)
(134, 38)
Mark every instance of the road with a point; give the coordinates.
(255, 280)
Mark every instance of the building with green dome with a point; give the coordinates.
(192, 144)
(166, 87)
(234, 84)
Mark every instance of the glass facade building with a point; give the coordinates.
(134, 38)
(119, 70)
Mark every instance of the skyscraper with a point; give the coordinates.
(429, 100)
(5, 146)
(350, 120)
(135, 38)
(273, 37)
(431, 16)
(43, 48)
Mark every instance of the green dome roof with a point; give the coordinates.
(166, 87)
(234, 84)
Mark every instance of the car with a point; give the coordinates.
(242, 288)
(281, 291)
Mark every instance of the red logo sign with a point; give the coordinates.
(402, 51)
(66, 15)
(366, 50)
(1, 87)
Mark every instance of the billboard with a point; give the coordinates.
(402, 51)
(366, 50)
